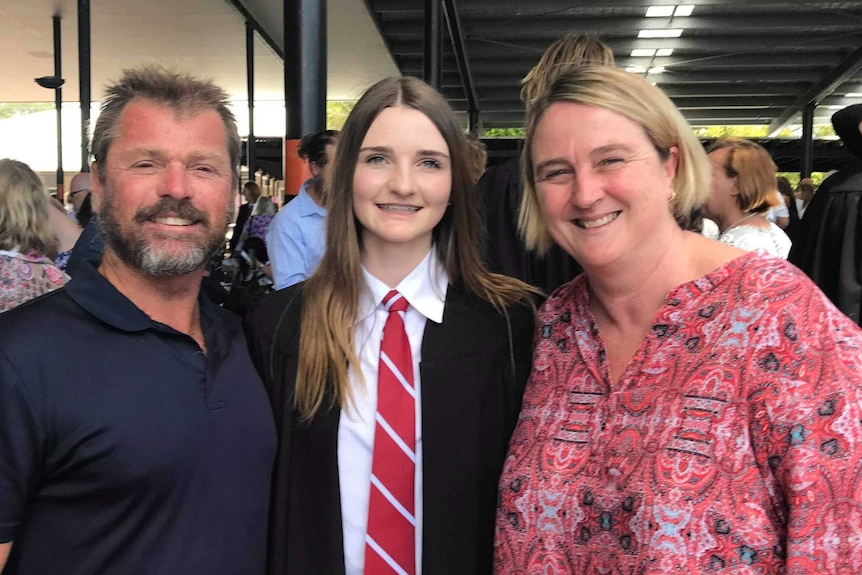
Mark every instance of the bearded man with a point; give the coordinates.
(135, 435)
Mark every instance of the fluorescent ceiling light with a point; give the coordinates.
(684, 10)
(636, 69)
(643, 52)
(659, 11)
(669, 33)
(853, 95)
(664, 52)
(656, 70)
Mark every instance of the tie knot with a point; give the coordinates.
(394, 301)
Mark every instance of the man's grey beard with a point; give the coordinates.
(136, 251)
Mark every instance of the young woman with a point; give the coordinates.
(354, 492)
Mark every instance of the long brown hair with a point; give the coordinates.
(331, 294)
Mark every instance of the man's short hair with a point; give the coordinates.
(180, 92)
(312, 147)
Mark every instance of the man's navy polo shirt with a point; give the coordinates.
(123, 447)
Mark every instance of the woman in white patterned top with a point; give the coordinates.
(743, 190)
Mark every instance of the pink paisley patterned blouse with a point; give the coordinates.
(26, 276)
(731, 444)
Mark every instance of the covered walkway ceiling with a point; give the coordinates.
(732, 61)
(203, 37)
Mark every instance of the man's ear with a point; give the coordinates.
(96, 185)
(314, 169)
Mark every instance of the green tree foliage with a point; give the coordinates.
(337, 112)
(7, 110)
(503, 133)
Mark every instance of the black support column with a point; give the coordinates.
(249, 67)
(58, 104)
(305, 66)
(84, 73)
(432, 44)
(807, 142)
(304, 81)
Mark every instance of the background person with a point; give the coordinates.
(829, 241)
(402, 230)
(681, 414)
(145, 443)
(500, 188)
(804, 194)
(296, 237)
(251, 192)
(743, 190)
(66, 232)
(262, 214)
(27, 240)
(79, 196)
(786, 190)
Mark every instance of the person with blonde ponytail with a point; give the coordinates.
(402, 224)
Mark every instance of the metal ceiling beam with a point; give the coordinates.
(248, 17)
(513, 6)
(754, 117)
(501, 76)
(688, 47)
(719, 92)
(560, 24)
(456, 35)
(764, 103)
(849, 66)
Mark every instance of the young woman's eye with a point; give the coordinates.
(374, 160)
(429, 163)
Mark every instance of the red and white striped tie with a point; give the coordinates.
(390, 544)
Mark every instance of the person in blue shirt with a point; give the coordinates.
(135, 435)
(296, 237)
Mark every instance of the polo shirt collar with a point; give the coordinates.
(95, 294)
(424, 288)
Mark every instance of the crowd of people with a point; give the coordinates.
(409, 386)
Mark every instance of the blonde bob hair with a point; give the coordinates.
(24, 223)
(754, 170)
(639, 101)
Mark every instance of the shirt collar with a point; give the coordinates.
(307, 206)
(93, 292)
(424, 288)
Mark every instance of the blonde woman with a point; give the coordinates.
(692, 407)
(27, 240)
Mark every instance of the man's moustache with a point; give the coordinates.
(171, 208)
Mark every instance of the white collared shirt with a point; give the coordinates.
(425, 290)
